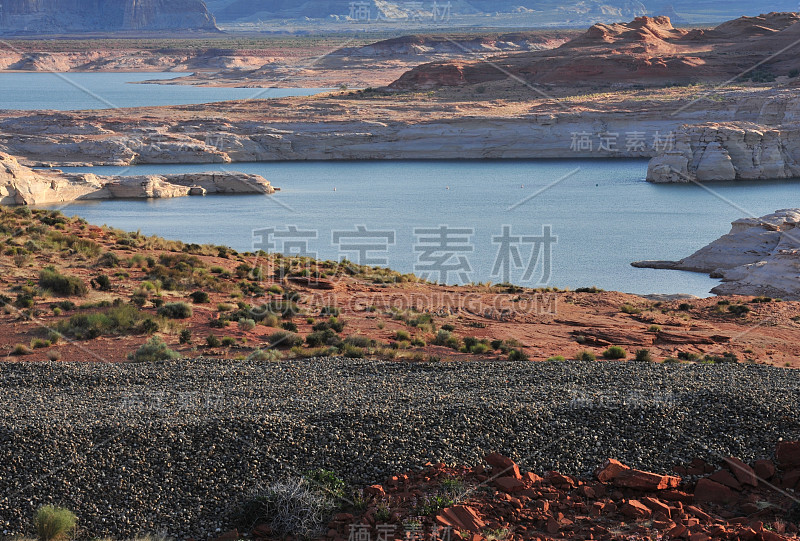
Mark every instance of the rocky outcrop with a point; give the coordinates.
(760, 256)
(57, 16)
(731, 151)
(20, 185)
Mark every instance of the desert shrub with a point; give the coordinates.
(54, 523)
(352, 352)
(402, 335)
(329, 311)
(739, 310)
(644, 355)
(592, 289)
(175, 310)
(102, 282)
(38, 343)
(54, 355)
(293, 507)
(199, 297)
(20, 349)
(224, 307)
(517, 355)
(122, 319)
(108, 260)
(271, 321)
(479, 349)
(654, 328)
(360, 342)
(615, 352)
(247, 324)
(585, 355)
(556, 358)
(228, 341)
(727, 357)
(686, 356)
(685, 307)
(326, 337)
(60, 284)
(185, 336)
(334, 324)
(447, 327)
(268, 355)
(289, 326)
(285, 339)
(630, 309)
(212, 341)
(153, 350)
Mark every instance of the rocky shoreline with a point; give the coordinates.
(759, 256)
(174, 447)
(20, 185)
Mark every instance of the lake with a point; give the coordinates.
(78, 91)
(602, 212)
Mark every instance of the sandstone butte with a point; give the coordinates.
(732, 500)
(759, 256)
(20, 185)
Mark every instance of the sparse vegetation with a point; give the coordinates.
(176, 310)
(615, 352)
(59, 284)
(153, 350)
(294, 506)
(54, 523)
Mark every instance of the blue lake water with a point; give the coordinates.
(603, 213)
(77, 91)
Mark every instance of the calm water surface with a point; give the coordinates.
(76, 91)
(605, 215)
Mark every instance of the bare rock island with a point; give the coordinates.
(760, 256)
(20, 185)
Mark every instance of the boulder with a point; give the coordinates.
(708, 491)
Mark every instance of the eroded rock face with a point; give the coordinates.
(20, 185)
(730, 151)
(760, 256)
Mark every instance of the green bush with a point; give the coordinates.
(228, 341)
(199, 297)
(585, 355)
(185, 336)
(125, 319)
(269, 355)
(289, 326)
(54, 523)
(212, 341)
(402, 335)
(330, 311)
(153, 350)
(247, 324)
(644, 355)
(630, 309)
(739, 310)
(615, 352)
(21, 349)
(285, 339)
(322, 338)
(102, 282)
(557, 358)
(60, 284)
(518, 355)
(175, 310)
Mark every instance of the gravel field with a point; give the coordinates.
(173, 447)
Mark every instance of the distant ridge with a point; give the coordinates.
(75, 16)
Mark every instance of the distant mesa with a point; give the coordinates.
(77, 16)
(644, 51)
